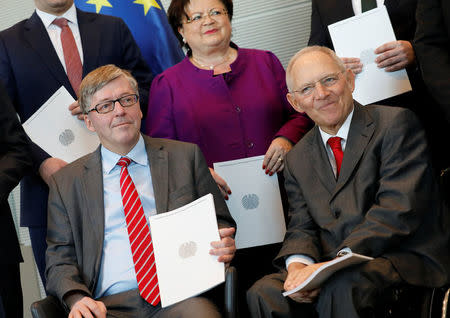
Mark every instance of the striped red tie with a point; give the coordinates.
(336, 147)
(139, 236)
(71, 55)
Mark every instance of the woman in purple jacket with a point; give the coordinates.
(229, 101)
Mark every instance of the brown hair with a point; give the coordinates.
(97, 79)
(177, 10)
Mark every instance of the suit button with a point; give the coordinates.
(250, 144)
(337, 213)
(238, 109)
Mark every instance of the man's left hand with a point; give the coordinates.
(75, 109)
(226, 247)
(395, 55)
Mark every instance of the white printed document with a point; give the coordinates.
(181, 243)
(316, 279)
(359, 36)
(255, 202)
(62, 135)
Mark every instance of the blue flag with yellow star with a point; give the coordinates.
(148, 23)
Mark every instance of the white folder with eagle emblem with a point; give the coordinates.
(255, 202)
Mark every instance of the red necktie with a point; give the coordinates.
(71, 55)
(335, 144)
(139, 236)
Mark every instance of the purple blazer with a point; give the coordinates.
(229, 116)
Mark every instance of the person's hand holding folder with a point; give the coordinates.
(297, 274)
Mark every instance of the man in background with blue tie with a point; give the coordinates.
(360, 181)
(100, 254)
(55, 47)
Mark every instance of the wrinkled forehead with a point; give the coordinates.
(313, 66)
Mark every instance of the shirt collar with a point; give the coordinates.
(47, 18)
(342, 132)
(138, 155)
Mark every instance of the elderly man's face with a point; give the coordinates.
(119, 129)
(330, 98)
(55, 7)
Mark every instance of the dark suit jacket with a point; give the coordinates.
(32, 72)
(326, 12)
(14, 163)
(76, 212)
(432, 44)
(383, 204)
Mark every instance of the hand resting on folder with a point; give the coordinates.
(297, 274)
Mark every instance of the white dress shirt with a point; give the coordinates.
(54, 31)
(117, 272)
(343, 133)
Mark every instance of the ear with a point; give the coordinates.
(89, 123)
(294, 103)
(350, 77)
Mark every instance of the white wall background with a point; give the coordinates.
(281, 26)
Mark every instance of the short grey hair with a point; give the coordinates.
(306, 50)
(97, 79)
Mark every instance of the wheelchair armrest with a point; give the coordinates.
(49, 307)
(231, 292)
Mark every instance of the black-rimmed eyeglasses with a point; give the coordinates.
(108, 106)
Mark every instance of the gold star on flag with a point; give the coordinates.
(99, 4)
(148, 4)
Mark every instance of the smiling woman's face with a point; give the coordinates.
(211, 31)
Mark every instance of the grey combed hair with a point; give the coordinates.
(97, 79)
(306, 50)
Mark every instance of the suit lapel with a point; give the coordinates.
(360, 133)
(90, 41)
(159, 169)
(92, 181)
(320, 162)
(37, 36)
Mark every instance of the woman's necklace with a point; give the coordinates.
(212, 66)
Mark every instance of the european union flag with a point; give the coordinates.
(148, 23)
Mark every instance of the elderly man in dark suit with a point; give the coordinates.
(14, 163)
(359, 181)
(93, 264)
(37, 57)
